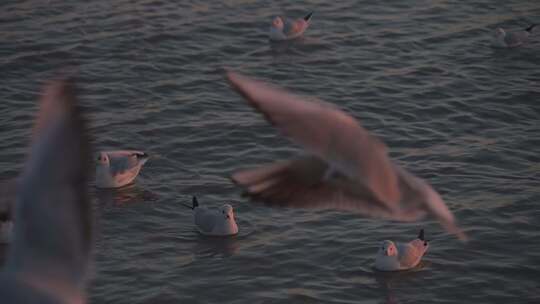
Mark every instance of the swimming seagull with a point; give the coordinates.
(49, 256)
(401, 256)
(513, 39)
(288, 30)
(116, 169)
(348, 169)
(214, 222)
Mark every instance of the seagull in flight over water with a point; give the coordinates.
(49, 256)
(347, 168)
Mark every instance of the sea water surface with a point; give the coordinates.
(420, 74)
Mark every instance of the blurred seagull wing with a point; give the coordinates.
(327, 132)
(52, 242)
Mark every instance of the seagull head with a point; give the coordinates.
(102, 159)
(277, 23)
(227, 211)
(499, 32)
(388, 248)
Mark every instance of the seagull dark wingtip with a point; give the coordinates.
(421, 234)
(531, 27)
(195, 203)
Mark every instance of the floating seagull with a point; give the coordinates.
(116, 169)
(290, 29)
(513, 39)
(214, 222)
(48, 259)
(348, 169)
(401, 256)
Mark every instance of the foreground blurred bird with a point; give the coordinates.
(6, 228)
(116, 169)
(513, 39)
(7, 197)
(393, 256)
(348, 168)
(49, 256)
(288, 30)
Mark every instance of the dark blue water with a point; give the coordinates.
(422, 75)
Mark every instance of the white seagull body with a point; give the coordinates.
(116, 169)
(401, 256)
(348, 169)
(512, 39)
(214, 222)
(288, 30)
(49, 255)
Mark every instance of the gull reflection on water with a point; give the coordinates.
(215, 246)
(389, 280)
(126, 195)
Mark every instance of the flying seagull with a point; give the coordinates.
(49, 256)
(347, 168)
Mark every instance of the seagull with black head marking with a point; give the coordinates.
(49, 256)
(514, 38)
(346, 168)
(281, 29)
(115, 169)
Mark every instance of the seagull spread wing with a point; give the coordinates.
(326, 132)
(49, 256)
(310, 182)
(351, 169)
